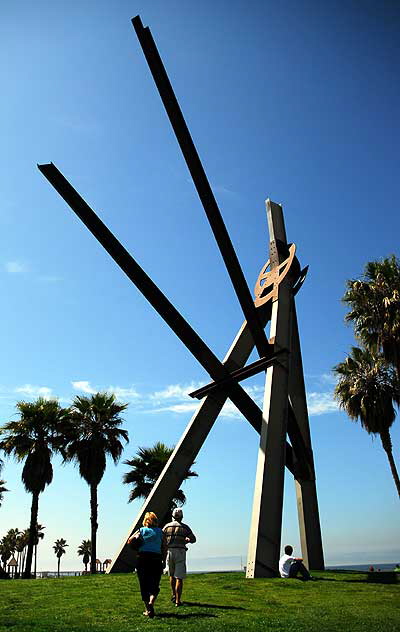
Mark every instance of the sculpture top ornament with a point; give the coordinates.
(266, 287)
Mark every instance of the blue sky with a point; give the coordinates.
(297, 102)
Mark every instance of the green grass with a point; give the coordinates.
(342, 601)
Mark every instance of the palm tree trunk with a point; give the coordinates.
(32, 534)
(94, 525)
(20, 559)
(58, 567)
(34, 572)
(387, 446)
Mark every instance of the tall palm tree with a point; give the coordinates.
(59, 550)
(33, 438)
(367, 388)
(92, 434)
(2, 484)
(374, 303)
(12, 538)
(8, 546)
(85, 550)
(146, 467)
(5, 554)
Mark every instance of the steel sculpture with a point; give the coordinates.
(284, 413)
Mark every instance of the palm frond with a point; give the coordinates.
(145, 469)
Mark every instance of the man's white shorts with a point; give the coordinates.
(176, 561)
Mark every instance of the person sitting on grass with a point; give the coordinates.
(289, 566)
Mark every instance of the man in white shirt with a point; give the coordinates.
(290, 566)
(178, 536)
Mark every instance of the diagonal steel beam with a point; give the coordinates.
(153, 294)
(201, 183)
(216, 369)
(238, 375)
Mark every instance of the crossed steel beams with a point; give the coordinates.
(265, 534)
(298, 456)
(216, 369)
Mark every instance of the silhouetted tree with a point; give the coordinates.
(32, 439)
(146, 468)
(92, 434)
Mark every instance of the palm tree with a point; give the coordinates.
(25, 537)
(34, 437)
(8, 546)
(85, 550)
(39, 535)
(91, 435)
(22, 542)
(2, 483)
(2, 490)
(367, 388)
(59, 550)
(374, 305)
(5, 554)
(146, 467)
(12, 539)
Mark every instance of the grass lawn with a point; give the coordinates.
(343, 601)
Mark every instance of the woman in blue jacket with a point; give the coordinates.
(150, 560)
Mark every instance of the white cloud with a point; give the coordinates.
(320, 380)
(177, 401)
(321, 403)
(176, 391)
(34, 391)
(230, 411)
(83, 386)
(223, 190)
(328, 378)
(127, 393)
(15, 267)
(174, 398)
(188, 407)
(119, 391)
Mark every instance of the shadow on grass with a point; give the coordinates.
(189, 615)
(211, 605)
(382, 577)
(374, 577)
(324, 579)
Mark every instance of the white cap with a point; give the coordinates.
(177, 514)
